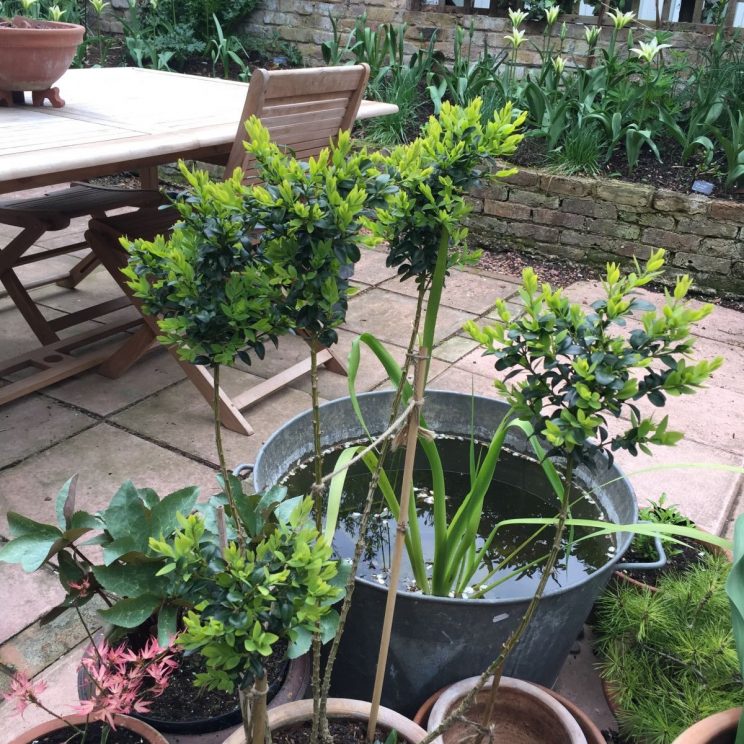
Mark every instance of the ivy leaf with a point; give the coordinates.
(299, 644)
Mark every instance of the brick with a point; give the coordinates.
(589, 208)
(565, 185)
(726, 210)
(508, 210)
(533, 199)
(722, 248)
(673, 201)
(492, 191)
(618, 192)
(702, 263)
(552, 217)
(634, 250)
(532, 232)
(570, 252)
(588, 240)
(614, 229)
(524, 178)
(708, 228)
(669, 239)
(650, 219)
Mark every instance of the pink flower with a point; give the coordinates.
(82, 587)
(24, 692)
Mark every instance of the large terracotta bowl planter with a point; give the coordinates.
(300, 712)
(719, 728)
(35, 54)
(146, 732)
(524, 714)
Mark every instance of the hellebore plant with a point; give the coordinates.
(123, 681)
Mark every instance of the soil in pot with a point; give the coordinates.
(343, 732)
(518, 572)
(64, 735)
(184, 708)
(689, 555)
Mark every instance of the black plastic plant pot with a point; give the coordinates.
(439, 640)
(290, 685)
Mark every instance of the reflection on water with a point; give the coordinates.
(519, 490)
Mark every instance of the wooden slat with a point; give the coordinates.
(89, 313)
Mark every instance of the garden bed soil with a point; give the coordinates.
(343, 732)
(689, 556)
(562, 273)
(648, 171)
(65, 735)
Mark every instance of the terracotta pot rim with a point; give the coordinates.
(709, 729)
(139, 727)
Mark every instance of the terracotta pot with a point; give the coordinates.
(35, 54)
(139, 727)
(524, 713)
(589, 729)
(720, 728)
(285, 716)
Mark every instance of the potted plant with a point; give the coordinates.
(139, 603)
(311, 219)
(34, 54)
(726, 726)
(677, 642)
(124, 681)
(424, 224)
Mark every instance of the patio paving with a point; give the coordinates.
(151, 425)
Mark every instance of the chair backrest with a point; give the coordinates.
(302, 109)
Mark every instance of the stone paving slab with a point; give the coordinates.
(371, 268)
(389, 316)
(43, 423)
(26, 597)
(183, 419)
(463, 290)
(103, 395)
(105, 457)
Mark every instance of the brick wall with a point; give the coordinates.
(596, 221)
(306, 23)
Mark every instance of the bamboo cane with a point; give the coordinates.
(419, 381)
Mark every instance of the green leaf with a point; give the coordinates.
(30, 551)
(127, 579)
(163, 514)
(65, 504)
(21, 526)
(126, 515)
(167, 624)
(299, 644)
(129, 613)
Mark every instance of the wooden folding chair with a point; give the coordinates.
(302, 109)
(51, 212)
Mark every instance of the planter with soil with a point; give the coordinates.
(128, 731)
(592, 734)
(34, 54)
(432, 642)
(290, 723)
(185, 709)
(523, 714)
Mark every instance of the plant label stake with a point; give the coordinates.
(412, 429)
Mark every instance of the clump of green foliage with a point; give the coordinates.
(669, 657)
(659, 512)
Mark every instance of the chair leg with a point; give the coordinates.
(79, 271)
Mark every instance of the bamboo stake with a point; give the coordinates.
(419, 382)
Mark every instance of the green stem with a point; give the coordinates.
(221, 455)
(317, 724)
(496, 668)
(435, 298)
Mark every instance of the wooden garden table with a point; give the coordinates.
(114, 120)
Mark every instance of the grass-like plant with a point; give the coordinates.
(669, 657)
